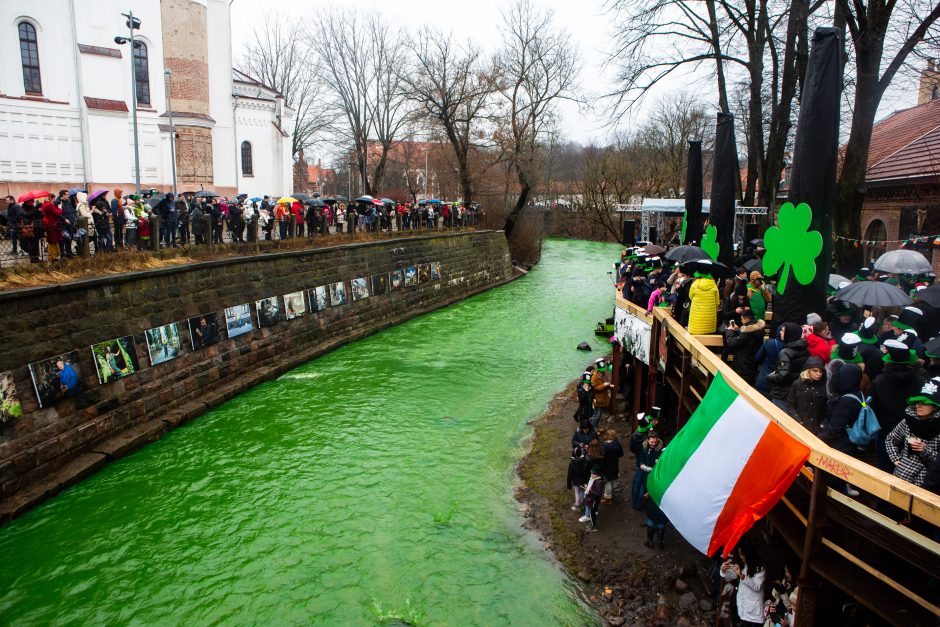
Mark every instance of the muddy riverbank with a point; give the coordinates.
(624, 581)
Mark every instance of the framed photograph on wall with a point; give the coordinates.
(164, 343)
(204, 330)
(238, 320)
(411, 276)
(337, 294)
(424, 273)
(294, 305)
(360, 288)
(397, 279)
(269, 311)
(379, 284)
(435, 270)
(115, 359)
(318, 298)
(10, 406)
(56, 378)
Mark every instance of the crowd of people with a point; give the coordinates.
(54, 226)
(824, 370)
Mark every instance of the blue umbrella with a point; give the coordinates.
(75, 190)
(256, 198)
(435, 201)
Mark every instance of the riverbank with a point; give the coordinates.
(625, 582)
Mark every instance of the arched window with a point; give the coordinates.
(142, 73)
(876, 233)
(934, 93)
(29, 55)
(247, 167)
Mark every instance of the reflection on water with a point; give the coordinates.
(370, 485)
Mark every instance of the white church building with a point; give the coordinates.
(66, 111)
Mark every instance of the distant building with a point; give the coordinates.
(66, 89)
(902, 199)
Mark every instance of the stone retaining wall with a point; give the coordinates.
(45, 449)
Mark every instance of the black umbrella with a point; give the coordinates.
(873, 293)
(714, 268)
(366, 198)
(153, 201)
(932, 348)
(681, 254)
(930, 295)
(653, 249)
(316, 202)
(301, 196)
(754, 264)
(206, 194)
(903, 262)
(339, 198)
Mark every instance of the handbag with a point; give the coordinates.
(28, 231)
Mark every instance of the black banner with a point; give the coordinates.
(693, 195)
(813, 176)
(724, 171)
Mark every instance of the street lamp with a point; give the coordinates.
(167, 73)
(133, 24)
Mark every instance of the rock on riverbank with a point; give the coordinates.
(624, 581)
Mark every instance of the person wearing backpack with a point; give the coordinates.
(912, 445)
(789, 363)
(843, 409)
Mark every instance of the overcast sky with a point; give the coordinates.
(480, 20)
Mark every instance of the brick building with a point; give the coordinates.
(902, 200)
(66, 89)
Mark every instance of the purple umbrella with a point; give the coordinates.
(95, 195)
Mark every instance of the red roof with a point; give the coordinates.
(906, 144)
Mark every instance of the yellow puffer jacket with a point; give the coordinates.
(703, 314)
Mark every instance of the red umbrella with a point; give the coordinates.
(376, 201)
(33, 195)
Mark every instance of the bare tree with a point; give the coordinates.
(451, 86)
(884, 34)
(360, 58)
(277, 56)
(537, 68)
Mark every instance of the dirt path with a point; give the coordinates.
(626, 582)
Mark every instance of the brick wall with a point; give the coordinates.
(48, 448)
(186, 53)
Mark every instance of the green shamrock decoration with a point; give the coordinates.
(685, 223)
(710, 242)
(792, 245)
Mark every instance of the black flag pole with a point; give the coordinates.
(693, 195)
(724, 171)
(813, 182)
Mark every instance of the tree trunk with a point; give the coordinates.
(716, 49)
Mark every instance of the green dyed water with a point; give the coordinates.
(371, 485)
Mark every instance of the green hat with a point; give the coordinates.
(898, 353)
(868, 331)
(930, 393)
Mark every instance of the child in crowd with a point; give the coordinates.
(579, 474)
(592, 498)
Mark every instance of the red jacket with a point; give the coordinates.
(52, 222)
(298, 212)
(820, 347)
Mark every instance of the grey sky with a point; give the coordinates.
(585, 20)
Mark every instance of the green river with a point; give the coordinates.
(370, 486)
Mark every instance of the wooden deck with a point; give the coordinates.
(879, 548)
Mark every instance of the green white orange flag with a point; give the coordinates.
(724, 470)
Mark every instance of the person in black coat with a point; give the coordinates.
(610, 466)
(585, 399)
(899, 380)
(842, 411)
(743, 343)
(579, 472)
(808, 397)
(583, 435)
(789, 363)
(869, 348)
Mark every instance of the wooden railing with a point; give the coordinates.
(879, 548)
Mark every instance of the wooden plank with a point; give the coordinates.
(862, 510)
(891, 583)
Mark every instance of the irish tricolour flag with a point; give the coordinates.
(725, 469)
